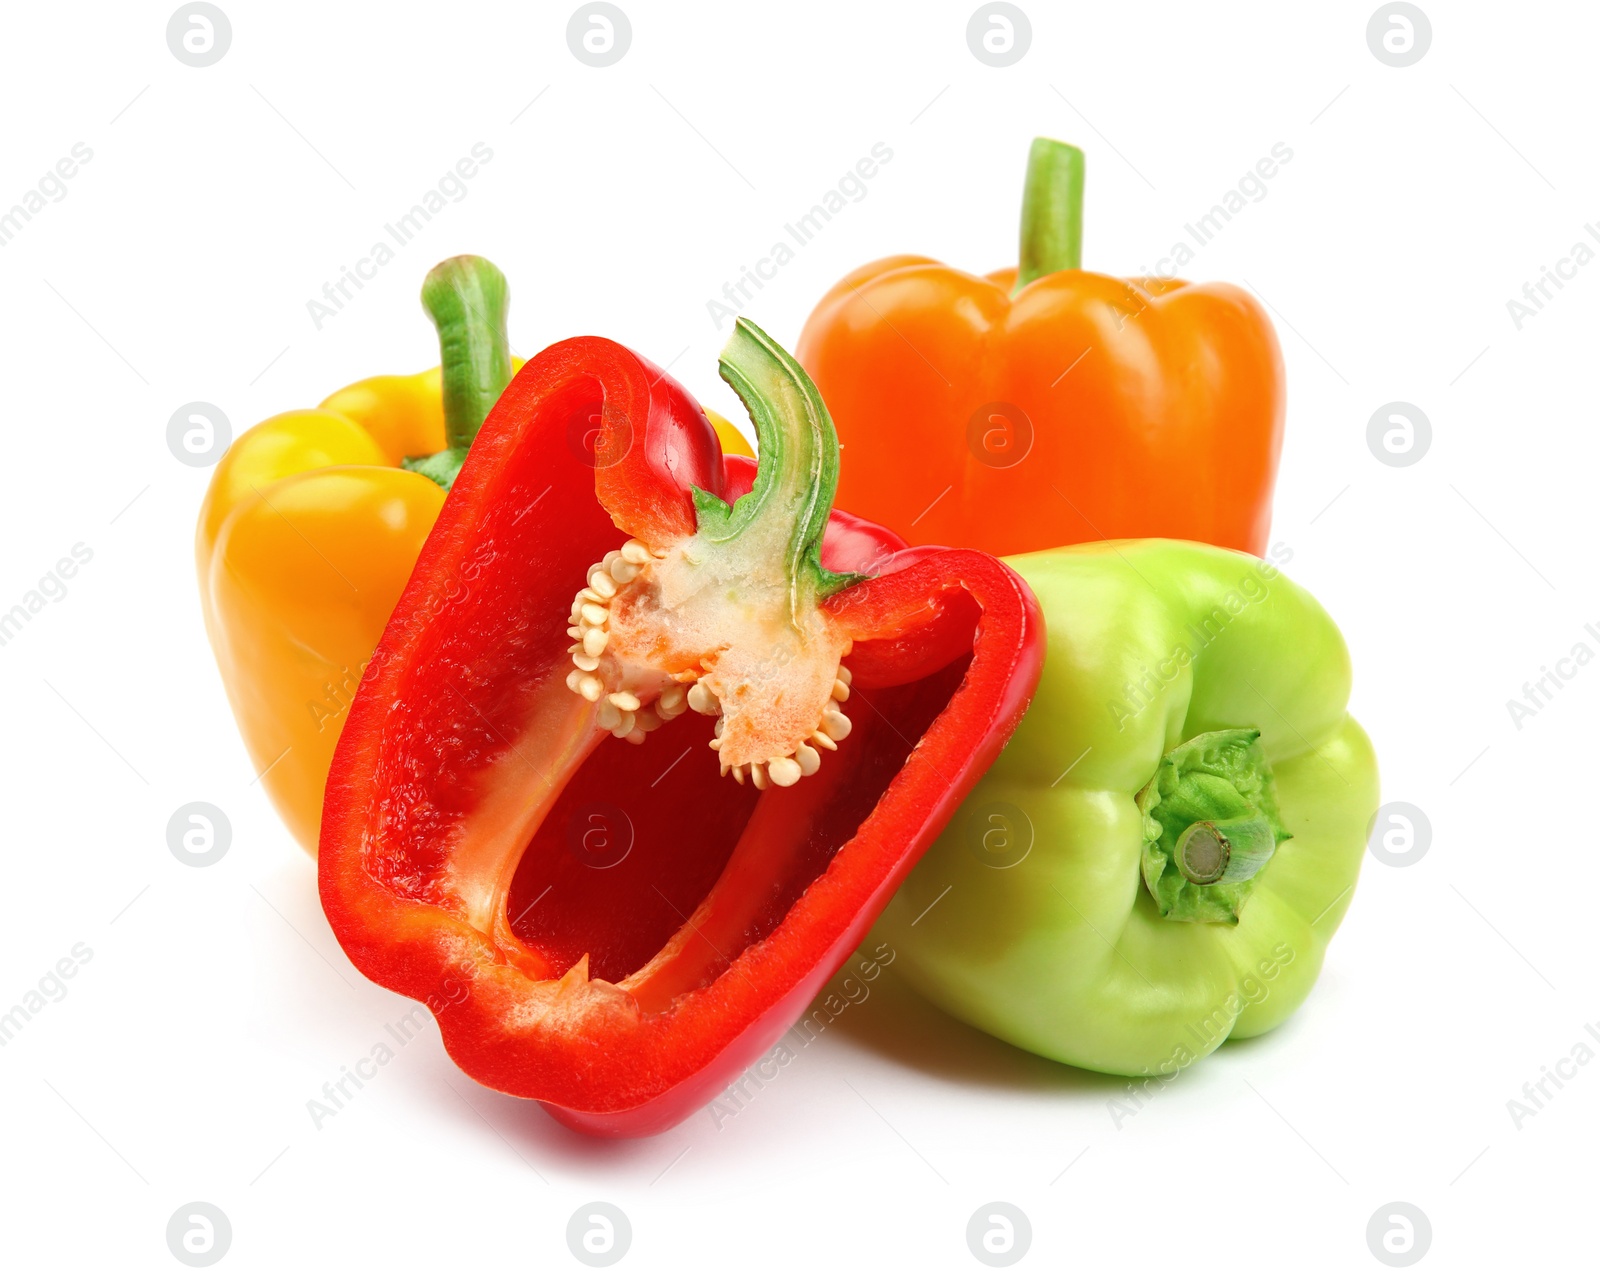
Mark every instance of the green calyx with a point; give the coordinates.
(467, 298)
(1211, 825)
(786, 512)
(1052, 211)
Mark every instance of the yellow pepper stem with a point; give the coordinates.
(467, 298)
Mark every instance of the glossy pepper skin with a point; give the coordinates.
(472, 786)
(1065, 951)
(306, 538)
(309, 531)
(1073, 407)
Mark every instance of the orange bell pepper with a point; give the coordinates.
(1031, 409)
(313, 521)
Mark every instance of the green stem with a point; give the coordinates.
(1227, 850)
(798, 466)
(467, 298)
(1211, 826)
(1052, 211)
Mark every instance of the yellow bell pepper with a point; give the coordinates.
(314, 519)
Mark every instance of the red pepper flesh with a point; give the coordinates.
(461, 860)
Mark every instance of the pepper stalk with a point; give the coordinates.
(727, 621)
(1211, 826)
(1052, 211)
(467, 298)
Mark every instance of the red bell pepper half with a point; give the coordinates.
(619, 929)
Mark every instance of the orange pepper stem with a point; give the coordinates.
(1052, 211)
(466, 297)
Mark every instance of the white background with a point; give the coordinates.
(178, 267)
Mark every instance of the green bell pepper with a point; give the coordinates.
(1160, 856)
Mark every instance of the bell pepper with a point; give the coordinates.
(312, 523)
(648, 744)
(1160, 857)
(1047, 405)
